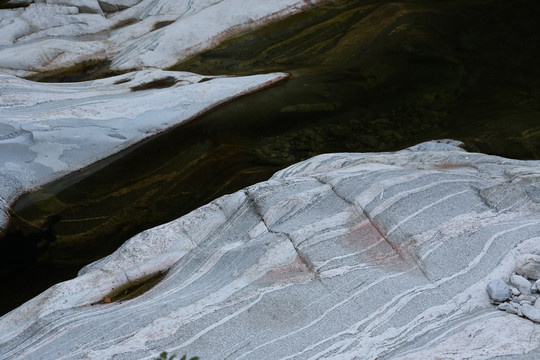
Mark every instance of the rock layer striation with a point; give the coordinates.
(342, 256)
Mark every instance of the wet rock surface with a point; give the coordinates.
(359, 256)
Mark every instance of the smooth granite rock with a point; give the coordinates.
(522, 284)
(342, 256)
(50, 130)
(52, 34)
(529, 266)
(498, 290)
(531, 313)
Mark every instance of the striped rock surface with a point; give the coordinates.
(343, 256)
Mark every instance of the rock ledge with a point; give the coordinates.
(349, 256)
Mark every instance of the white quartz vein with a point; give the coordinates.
(325, 314)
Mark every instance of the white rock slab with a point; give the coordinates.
(57, 33)
(529, 266)
(50, 130)
(343, 256)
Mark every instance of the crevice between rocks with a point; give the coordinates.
(253, 204)
(133, 289)
(160, 83)
(405, 257)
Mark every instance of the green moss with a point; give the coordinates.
(135, 288)
(161, 24)
(156, 84)
(125, 22)
(83, 71)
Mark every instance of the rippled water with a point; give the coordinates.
(366, 76)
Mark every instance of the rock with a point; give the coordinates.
(498, 290)
(84, 6)
(43, 23)
(531, 313)
(536, 286)
(523, 285)
(512, 308)
(514, 291)
(41, 124)
(349, 256)
(527, 298)
(537, 303)
(509, 306)
(116, 5)
(16, 3)
(60, 33)
(529, 266)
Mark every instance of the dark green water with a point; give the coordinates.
(366, 76)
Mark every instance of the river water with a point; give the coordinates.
(366, 76)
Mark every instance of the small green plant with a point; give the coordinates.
(164, 356)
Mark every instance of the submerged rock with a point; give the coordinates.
(349, 256)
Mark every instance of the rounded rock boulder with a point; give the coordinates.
(498, 290)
